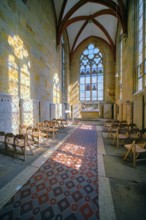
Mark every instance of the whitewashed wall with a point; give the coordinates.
(9, 113)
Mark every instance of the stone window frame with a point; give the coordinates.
(90, 87)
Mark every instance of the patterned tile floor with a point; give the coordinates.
(65, 187)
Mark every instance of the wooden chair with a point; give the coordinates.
(40, 125)
(57, 125)
(64, 123)
(52, 124)
(131, 126)
(123, 126)
(50, 128)
(23, 129)
(29, 134)
(137, 147)
(120, 136)
(59, 120)
(20, 143)
(9, 141)
(123, 122)
(38, 135)
(134, 133)
(113, 130)
(2, 140)
(107, 125)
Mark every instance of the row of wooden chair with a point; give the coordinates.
(14, 143)
(29, 135)
(127, 135)
(33, 134)
(114, 126)
(43, 129)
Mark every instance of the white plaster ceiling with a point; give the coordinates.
(85, 18)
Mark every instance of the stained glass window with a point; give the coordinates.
(91, 74)
(140, 46)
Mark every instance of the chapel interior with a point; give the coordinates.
(75, 61)
(83, 57)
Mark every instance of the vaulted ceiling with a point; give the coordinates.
(85, 18)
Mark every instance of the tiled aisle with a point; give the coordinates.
(65, 187)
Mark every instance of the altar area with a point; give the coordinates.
(90, 111)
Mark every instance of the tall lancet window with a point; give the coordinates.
(91, 74)
(140, 59)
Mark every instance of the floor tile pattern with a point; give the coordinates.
(65, 187)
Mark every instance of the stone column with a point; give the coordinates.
(129, 112)
(120, 112)
(115, 111)
(100, 106)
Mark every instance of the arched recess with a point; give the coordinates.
(109, 73)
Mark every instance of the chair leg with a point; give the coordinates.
(117, 142)
(127, 153)
(114, 140)
(29, 147)
(137, 155)
(39, 140)
(14, 152)
(6, 149)
(24, 153)
(134, 156)
(5, 145)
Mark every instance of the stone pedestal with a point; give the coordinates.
(9, 113)
(107, 111)
(30, 112)
(45, 111)
(53, 110)
(76, 111)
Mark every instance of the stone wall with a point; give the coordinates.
(130, 106)
(30, 65)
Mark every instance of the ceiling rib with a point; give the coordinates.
(112, 5)
(116, 9)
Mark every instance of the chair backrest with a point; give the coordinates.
(123, 126)
(108, 123)
(123, 122)
(22, 129)
(114, 126)
(123, 132)
(134, 133)
(46, 122)
(9, 139)
(20, 140)
(141, 141)
(29, 130)
(2, 136)
(116, 121)
(131, 126)
(36, 132)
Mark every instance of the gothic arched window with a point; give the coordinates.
(91, 74)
